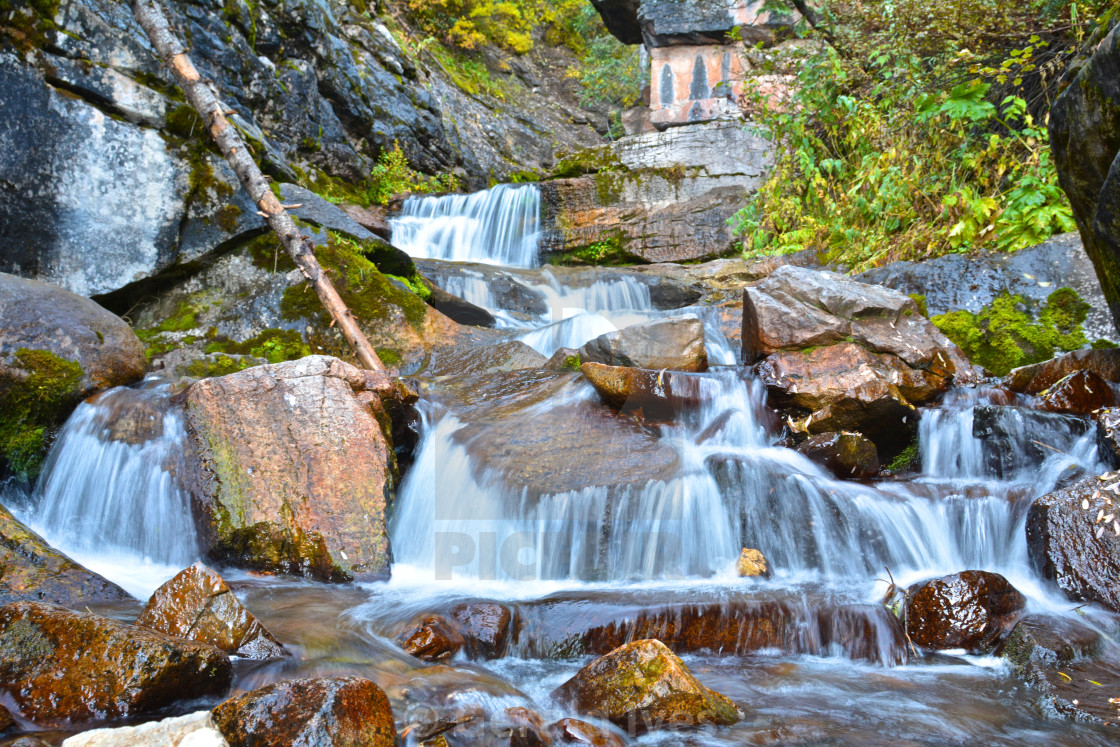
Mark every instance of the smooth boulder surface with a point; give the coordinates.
(1080, 393)
(643, 686)
(198, 605)
(843, 454)
(67, 668)
(575, 731)
(331, 711)
(487, 627)
(751, 564)
(296, 469)
(676, 343)
(433, 638)
(31, 570)
(972, 610)
(193, 730)
(1085, 140)
(1069, 546)
(1039, 377)
(654, 393)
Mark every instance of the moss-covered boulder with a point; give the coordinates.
(1085, 140)
(296, 468)
(32, 570)
(56, 348)
(327, 711)
(644, 686)
(198, 605)
(63, 668)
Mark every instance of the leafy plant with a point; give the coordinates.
(392, 175)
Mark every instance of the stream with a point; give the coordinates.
(814, 661)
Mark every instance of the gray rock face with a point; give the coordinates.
(1085, 140)
(971, 282)
(676, 343)
(660, 23)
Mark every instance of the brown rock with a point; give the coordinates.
(1068, 546)
(657, 394)
(1108, 428)
(433, 639)
(1039, 377)
(574, 731)
(752, 563)
(486, 626)
(374, 219)
(199, 606)
(297, 470)
(1080, 393)
(675, 343)
(457, 360)
(644, 686)
(6, 720)
(528, 728)
(751, 332)
(843, 454)
(973, 610)
(61, 667)
(339, 711)
(32, 570)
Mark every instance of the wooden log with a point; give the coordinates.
(200, 96)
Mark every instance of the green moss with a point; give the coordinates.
(1003, 335)
(905, 459)
(227, 217)
(920, 299)
(34, 406)
(588, 161)
(414, 285)
(1103, 344)
(183, 122)
(611, 251)
(573, 362)
(267, 254)
(389, 356)
(28, 25)
(217, 365)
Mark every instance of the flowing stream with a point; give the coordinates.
(594, 559)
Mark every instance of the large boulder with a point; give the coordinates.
(972, 610)
(55, 349)
(1039, 377)
(67, 668)
(432, 638)
(1080, 393)
(33, 571)
(327, 711)
(297, 469)
(198, 605)
(1085, 140)
(676, 343)
(1072, 542)
(644, 686)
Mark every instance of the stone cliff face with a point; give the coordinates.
(105, 175)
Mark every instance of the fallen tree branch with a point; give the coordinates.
(204, 101)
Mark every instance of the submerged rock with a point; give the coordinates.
(653, 393)
(526, 728)
(1078, 547)
(327, 711)
(1080, 393)
(192, 730)
(843, 454)
(64, 668)
(752, 563)
(676, 343)
(31, 570)
(198, 605)
(644, 686)
(1014, 439)
(433, 638)
(574, 731)
(56, 348)
(296, 468)
(510, 355)
(972, 610)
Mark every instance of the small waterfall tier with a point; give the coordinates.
(498, 226)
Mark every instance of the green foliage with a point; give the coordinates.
(607, 252)
(923, 135)
(274, 345)
(609, 71)
(1003, 336)
(217, 365)
(392, 175)
(905, 459)
(34, 405)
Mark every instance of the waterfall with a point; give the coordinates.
(496, 226)
(109, 495)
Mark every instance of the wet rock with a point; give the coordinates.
(658, 394)
(327, 711)
(61, 667)
(528, 728)
(574, 731)
(751, 564)
(193, 730)
(751, 340)
(644, 686)
(374, 219)
(847, 388)
(1014, 439)
(1079, 393)
(1085, 139)
(1039, 377)
(1067, 545)
(510, 355)
(1108, 430)
(972, 281)
(1043, 648)
(296, 468)
(843, 454)
(676, 343)
(6, 720)
(55, 349)
(31, 570)
(198, 605)
(433, 639)
(458, 310)
(972, 610)
(564, 359)
(486, 626)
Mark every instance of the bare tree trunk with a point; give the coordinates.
(205, 102)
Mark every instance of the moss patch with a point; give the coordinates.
(611, 251)
(1003, 336)
(34, 405)
(274, 345)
